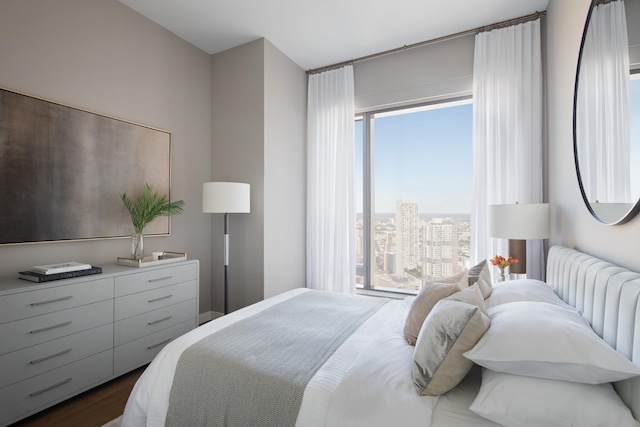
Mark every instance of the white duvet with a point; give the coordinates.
(366, 382)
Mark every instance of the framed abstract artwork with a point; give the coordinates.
(62, 170)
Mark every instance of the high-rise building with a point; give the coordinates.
(440, 251)
(359, 242)
(390, 243)
(407, 236)
(389, 262)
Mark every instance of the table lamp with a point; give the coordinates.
(519, 223)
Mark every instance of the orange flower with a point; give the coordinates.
(502, 262)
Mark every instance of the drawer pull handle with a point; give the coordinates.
(160, 279)
(59, 325)
(159, 344)
(42, 359)
(159, 320)
(35, 393)
(160, 298)
(51, 300)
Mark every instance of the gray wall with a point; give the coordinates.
(259, 104)
(285, 170)
(102, 56)
(571, 223)
(238, 156)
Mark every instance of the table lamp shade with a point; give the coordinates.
(520, 222)
(225, 197)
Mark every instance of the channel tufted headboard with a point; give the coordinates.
(607, 295)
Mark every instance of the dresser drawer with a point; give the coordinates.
(27, 396)
(136, 353)
(144, 324)
(139, 282)
(39, 329)
(143, 302)
(42, 301)
(32, 361)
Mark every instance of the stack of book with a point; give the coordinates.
(67, 270)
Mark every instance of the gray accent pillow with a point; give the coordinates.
(484, 281)
(471, 295)
(451, 329)
(474, 272)
(430, 294)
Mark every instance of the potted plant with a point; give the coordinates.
(147, 207)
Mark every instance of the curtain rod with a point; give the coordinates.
(495, 26)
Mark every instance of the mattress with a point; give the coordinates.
(366, 382)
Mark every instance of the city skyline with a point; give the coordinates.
(442, 249)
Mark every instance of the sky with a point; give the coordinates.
(425, 156)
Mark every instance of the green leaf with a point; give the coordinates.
(148, 206)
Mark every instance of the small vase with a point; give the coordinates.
(503, 278)
(137, 246)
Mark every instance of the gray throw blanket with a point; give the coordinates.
(254, 372)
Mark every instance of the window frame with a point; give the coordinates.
(368, 160)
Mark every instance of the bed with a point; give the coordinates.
(374, 377)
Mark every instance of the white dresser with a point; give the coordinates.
(58, 339)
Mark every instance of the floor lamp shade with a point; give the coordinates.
(519, 223)
(226, 198)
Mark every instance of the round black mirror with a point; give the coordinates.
(606, 114)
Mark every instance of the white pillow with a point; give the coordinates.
(516, 401)
(524, 290)
(543, 340)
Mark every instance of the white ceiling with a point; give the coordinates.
(323, 32)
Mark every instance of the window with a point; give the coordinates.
(414, 171)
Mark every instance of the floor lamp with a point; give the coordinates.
(519, 223)
(226, 198)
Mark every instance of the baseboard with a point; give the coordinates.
(207, 316)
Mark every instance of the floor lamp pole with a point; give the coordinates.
(226, 263)
(226, 198)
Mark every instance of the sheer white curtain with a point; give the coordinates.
(330, 181)
(507, 133)
(603, 122)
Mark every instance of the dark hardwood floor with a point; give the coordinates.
(91, 408)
